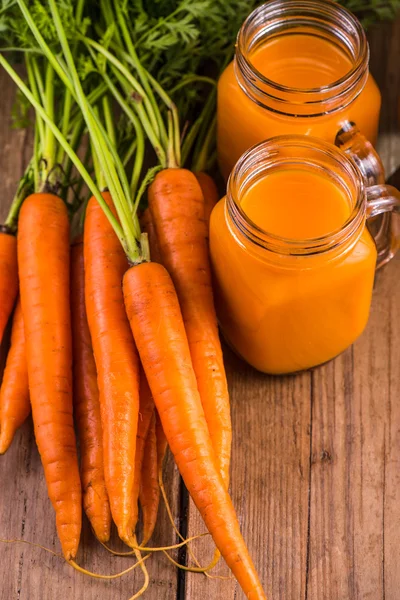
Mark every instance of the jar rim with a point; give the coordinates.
(354, 78)
(254, 160)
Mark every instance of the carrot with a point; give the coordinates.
(86, 404)
(149, 494)
(9, 276)
(116, 360)
(177, 208)
(157, 325)
(43, 259)
(210, 192)
(146, 411)
(147, 225)
(15, 405)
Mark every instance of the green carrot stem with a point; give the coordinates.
(202, 158)
(25, 186)
(74, 141)
(61, 139)
(86, 160)
(140, 94)
(107, 11)
(149, 99)
(137, 165)
(102, 150)
(66, 123)
(174, 131)
(36, 152)
(109, 119)
(146, 181)
(56, 63)
(98, 173)
(44, 46)
(202, 125)
(129, 190)
(93, 97)
(175, 156)
(139, 145)
(140, 141)
(192, 79)
(49, 147)
(39, 79)
(189, 140)
(79, 11)
(24, 50)
(51, 57)
(39, 125)
(67, 105)
(129, 153)
(171, 156)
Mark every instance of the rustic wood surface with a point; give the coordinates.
(316, 457)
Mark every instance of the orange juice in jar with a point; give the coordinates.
(294, 262)
(301, 67)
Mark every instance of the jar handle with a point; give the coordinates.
(355, 144)
(385, 200)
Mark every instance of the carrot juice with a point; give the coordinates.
(293, 261)
(296, 204)
(299, 68)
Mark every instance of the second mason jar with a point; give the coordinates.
(301, 67)
(293, 260)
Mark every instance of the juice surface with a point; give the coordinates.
(296, 204)
(297, 60)
(285, 313)
(314, 62)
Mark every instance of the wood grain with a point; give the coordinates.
(316, 457)
(270, 481)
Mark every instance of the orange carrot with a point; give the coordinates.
(147, 225)
(149, 494)
(157, 325)
(15, 405)
(86, 404)
(116, 360)
(210, 192)
(146, 411)
(43, 259)
(9, 276)
(177, 208)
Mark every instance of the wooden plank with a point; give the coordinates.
(29, 573)
(355, 436)
(270, 482)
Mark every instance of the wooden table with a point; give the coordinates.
(316, 457)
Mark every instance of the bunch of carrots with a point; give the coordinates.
(115, 332)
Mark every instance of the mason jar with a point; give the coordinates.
(286, 304)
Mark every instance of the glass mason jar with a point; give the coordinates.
(285, 305)
(252, 108)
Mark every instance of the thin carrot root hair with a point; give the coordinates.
(18, 541)
(195, 569)
(144, 571)
(198, 568)
(135, 547)
(75, 565)
(108, 577)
